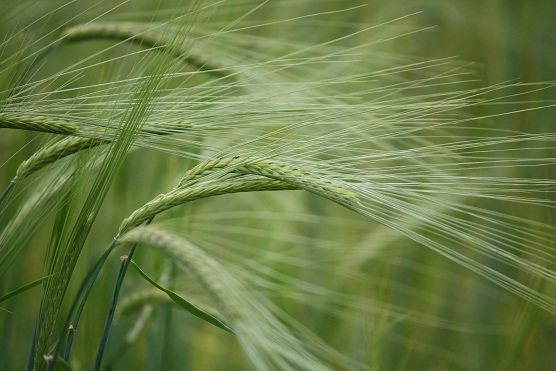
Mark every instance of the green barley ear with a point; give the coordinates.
(149, 35)
(37, 123)
(266, 341)
(279, 177)
(50, 154)
(363, 126)
(38, 207)
(298, 177)
(206, 167)
(301, 178)
(179, 196)
(71, 145)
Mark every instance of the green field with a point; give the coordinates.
(301, 185)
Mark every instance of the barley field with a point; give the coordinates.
(277, 185)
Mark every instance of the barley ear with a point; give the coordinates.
(303, 179)
(206, 167)
(296, 176)
(147, 35)
(265, 340)
(37, 123)
(180, 196)
(48, 155)
(282, 177)
(188, 256)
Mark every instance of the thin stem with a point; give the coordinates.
(91, 281)
(31, 356)
(6, 191)
(165, 361)
(110, 317)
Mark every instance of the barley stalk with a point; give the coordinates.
(37, 123)
(55, 292)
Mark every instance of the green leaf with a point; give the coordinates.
(197, 312)
(24, 288)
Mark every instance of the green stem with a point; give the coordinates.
(6, 191)
(165, 361)
(91, 281)
(110, 317)
(85, 286)
(31, 355)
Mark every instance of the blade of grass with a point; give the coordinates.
(197, 312)
(24, 288)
